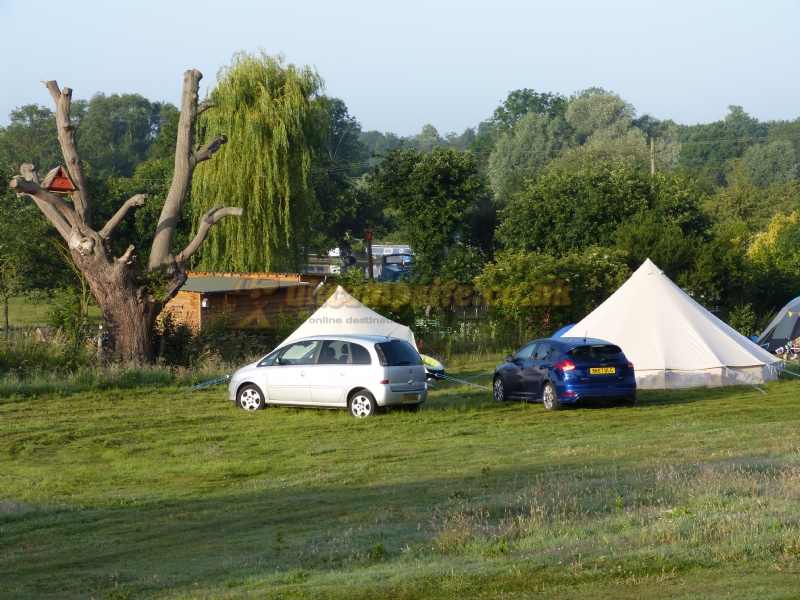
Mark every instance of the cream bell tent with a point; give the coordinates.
(672, 341)
(344, 315)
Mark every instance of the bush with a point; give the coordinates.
(538, 294)
(178, 345)
(67, 317)
(743, 319)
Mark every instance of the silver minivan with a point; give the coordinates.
(357, 372)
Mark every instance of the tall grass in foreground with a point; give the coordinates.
(69, 361)
(106, 377)
(22, 353)
(59, 365)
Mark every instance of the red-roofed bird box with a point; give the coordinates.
(58, 182)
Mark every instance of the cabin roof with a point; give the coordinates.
(219, 284)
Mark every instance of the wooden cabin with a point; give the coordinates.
(253, 300)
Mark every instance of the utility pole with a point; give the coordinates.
(368, 240)
(652, 156)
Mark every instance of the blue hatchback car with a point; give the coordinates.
(560, 371)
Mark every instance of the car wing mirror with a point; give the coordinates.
(510, 358)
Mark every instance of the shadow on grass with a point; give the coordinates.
(346, 535)
(685, 396)
(465, 398)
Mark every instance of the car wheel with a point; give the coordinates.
(362, 404)
(499, 390)
(251, 397)
(549, 398)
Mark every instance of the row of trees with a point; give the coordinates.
(547, 180)
(568, 180)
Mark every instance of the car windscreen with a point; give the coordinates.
(595, 353)
(397, 353)
(396, 259)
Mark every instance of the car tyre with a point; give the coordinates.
(499, 390)
(549, 397)
(251, 397)
(362, 404)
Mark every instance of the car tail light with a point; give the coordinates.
(630, 365)
(568, 394)
(565, 365)
(633, 392)
(382, 381)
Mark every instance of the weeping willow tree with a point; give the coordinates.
(272, 115)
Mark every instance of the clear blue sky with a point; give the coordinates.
(399, 65)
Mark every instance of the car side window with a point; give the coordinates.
(360, 355)
(553, 354)
(541, 352)
(333, 352)
(299, 353)
(525, 352)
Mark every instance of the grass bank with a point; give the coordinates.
(147, 492)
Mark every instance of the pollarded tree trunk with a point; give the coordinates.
(130, 306)
(130, 311)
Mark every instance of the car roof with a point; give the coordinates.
(347, 337)
(571, 342)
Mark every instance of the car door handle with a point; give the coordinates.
(302, 373)
(342, 374)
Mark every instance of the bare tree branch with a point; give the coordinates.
(208, 150)
(137, 200)
(161, 252)
(204, 107)
(211, 218)
(66, 138)
(29, 173)
(126, 259)
(54, 90)
(23, 186)
(51, 212)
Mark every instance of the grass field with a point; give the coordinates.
(25, 313)
(150, 493)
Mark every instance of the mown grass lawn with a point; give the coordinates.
(152, 493)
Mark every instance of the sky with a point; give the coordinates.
(399, 65)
